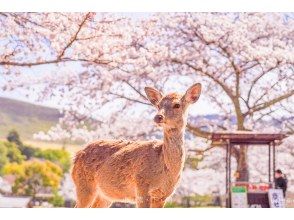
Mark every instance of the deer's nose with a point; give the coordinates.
(158, 118)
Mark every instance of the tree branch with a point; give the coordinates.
(269, 103)
(135, 89)
(54, 61)
(198, 132)
(211, 76)
(74, 37)
(263, 73)
(128, 98)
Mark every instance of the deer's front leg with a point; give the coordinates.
(157, 203)
(143, 199)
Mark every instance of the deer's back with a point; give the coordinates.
(98, 152)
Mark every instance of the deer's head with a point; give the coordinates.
(172, 108)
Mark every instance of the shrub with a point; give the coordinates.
(3, 156)
(13, 153)
(28, 151)
(172, 205)
(57, 200)
(13, 137)
(34, 176)
(60, 157)
(9, 153)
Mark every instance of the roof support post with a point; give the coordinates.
(269, 163)
(230, 182)
(227, 174)
(274, 159)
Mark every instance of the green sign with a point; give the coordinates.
(239, 189)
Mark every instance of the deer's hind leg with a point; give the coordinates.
(100, 202)
(85, 189)
(85, 196)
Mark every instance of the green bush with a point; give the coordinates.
(3, 156)
(192, 201)
(29, 152)
(59, 157)
(17, 152)
(202, 200)
(9, 153)
(13, 137)
(197, 201)
(172, 205)
(57, 200)
(33, 176)
(13, 153)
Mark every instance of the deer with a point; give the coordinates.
(144, 173)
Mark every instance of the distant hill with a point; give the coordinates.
(25, 117)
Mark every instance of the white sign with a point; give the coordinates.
(239, 200)
(276, 198)
(239, 197)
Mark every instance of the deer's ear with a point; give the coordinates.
(192, 94)
(153, 95)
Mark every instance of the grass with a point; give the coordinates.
(72, 148)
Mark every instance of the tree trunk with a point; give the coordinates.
(242, 164)
(242, 158)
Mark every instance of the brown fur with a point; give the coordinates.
(141, 172)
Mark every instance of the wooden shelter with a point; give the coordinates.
(244, 138)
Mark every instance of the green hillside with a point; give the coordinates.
(25, 117)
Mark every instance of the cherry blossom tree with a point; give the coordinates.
(98, 64)
(245, 60)
(81, 54)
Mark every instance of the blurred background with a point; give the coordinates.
(70, 78)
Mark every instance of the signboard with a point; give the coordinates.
(276, 198)
(239, 197)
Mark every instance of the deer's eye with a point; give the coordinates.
(177, 105)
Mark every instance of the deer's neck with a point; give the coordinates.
(173, 150)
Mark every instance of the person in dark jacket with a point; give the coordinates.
(280, 181)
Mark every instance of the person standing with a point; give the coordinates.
(280, 181)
